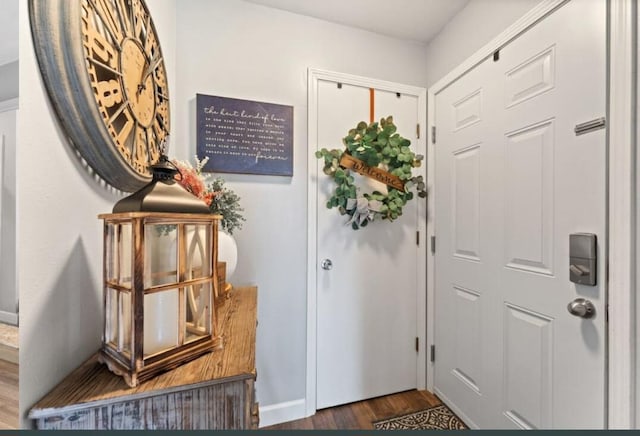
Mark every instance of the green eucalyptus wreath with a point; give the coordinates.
(378, 146)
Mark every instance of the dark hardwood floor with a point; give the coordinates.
(362, 415)
(8, 395)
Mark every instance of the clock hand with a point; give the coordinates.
(153, 64)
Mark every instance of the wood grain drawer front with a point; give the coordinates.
(215, 407)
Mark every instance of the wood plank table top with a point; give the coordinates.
(93, 385)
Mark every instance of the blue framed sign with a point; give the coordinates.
(243, 136)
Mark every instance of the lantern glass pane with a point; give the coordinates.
(160, 321)
(118, 320)
(198, 316)
(198, 249)
(111, 318)
(124, 323)
(118, 256)
(161, 254)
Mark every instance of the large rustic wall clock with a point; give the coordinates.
(104, 72)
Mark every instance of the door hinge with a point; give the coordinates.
(433, 353)
(417, 344)
(433, 134)
(433, 244)
(418, 238)
(418, 130)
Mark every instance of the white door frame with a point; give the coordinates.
(621, 122)
(6, 106)
(314, 76)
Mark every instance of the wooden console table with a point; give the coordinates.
(215, 391)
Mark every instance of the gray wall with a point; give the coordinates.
(474, 26)
(242, 50)
(59, 235)
(9, 81)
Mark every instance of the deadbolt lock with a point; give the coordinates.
(583, 254)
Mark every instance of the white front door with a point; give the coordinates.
(513, 181)
(367, 302)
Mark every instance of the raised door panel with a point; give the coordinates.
(532, 77)
(466, 203)
(528, 366)
(468, 110)
(529, 198)
(468, 339)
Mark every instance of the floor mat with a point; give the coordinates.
(433, 418)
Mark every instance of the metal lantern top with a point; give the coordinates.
(162, 194)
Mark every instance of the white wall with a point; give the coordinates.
(59, 235)
(242, 50)
(472, 28)
(8, 286)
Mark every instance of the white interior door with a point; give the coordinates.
(366, 304)
(513, 181)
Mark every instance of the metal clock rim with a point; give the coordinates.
(57, 40)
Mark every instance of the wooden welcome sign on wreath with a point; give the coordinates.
(376, 151)
(349, 162)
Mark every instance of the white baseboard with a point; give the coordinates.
(9, 354)
(8, 317)
(282, 412)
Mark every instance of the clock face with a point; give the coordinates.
(107, 82)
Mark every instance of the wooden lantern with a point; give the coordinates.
(160, 249)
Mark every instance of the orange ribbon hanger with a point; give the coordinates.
(372, 105)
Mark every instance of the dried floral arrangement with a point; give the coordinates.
(220, 199)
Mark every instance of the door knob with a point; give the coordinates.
(582, 308)
(326, 264)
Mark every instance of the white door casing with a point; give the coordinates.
(340, 332)
(622, 122)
